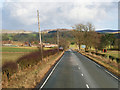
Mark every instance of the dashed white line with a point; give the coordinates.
(50, 74)
(82, 74)
(87, 86)
(111, 74)
(78, 67)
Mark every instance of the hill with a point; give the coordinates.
(108, 31)
(15, 31)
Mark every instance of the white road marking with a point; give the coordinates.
(78, 67)
(87, 86)
(107, 71)
(50, 73)
(111, 74)
(96, 64)
(82, 74)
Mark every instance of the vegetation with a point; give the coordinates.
(9, 68)
(30, 77)
(25, 61)
(34, 37)
(86, 35)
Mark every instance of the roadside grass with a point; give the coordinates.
(113, 53)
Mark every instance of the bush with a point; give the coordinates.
(103, 55)
(86, 51)
(118, 60)
(111, 57)
(93, 52)
(9, 68)
(97, 53)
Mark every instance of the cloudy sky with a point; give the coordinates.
(18, 14)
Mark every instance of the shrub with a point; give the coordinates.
(103, 55)
(118, 60)
(9, 68)
(86, 51)
(93, 52)
(111, 57)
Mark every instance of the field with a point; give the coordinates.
(113, 53)
(13, 53)
(18, 49)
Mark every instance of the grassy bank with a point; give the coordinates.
(30, 77)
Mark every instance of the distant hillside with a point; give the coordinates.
(16, 31)
(108, 31)
(54, 30)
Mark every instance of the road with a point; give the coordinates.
(76, 71)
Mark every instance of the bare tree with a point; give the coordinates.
(85, 34)
(78, 34)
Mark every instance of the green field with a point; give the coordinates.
(13, 53)
(11, 56)
(18, 49)
(113, 53)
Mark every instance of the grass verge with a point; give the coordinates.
(30, 77)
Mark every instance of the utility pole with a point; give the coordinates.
(40, 35)
(58, 39)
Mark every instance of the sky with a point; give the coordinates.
(22, 15)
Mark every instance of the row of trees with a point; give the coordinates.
(85, 34)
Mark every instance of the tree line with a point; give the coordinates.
(85, 34)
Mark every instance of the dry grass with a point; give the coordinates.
(30, 77)
(11, 56)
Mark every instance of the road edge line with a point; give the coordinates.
(110, 73)
(51, 72)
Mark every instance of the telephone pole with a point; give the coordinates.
(58, 39)
(40, 35)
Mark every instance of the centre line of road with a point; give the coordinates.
(78, 67)
(50, 73)
(87, 86)
(82, 74)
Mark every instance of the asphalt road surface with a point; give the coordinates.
(76, 71)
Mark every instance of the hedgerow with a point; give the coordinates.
(25, 61)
